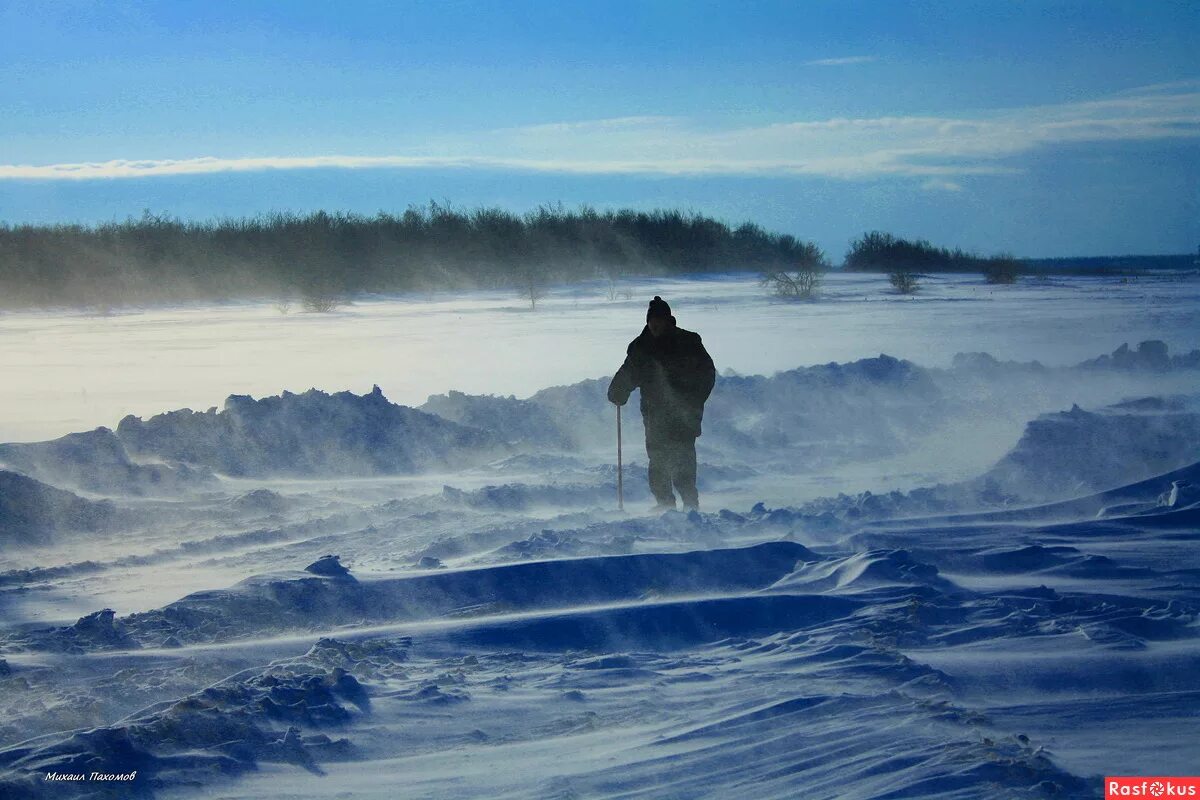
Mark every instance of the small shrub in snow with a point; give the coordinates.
(321, 302)
(904, 281)
(1002, 268)
(802, 278)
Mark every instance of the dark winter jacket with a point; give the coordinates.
(676, 375)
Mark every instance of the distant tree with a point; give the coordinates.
(801, 278)
(611, 274)
(870, 251)
(531, 283)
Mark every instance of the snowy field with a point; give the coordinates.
(73, 371)
(947, 547)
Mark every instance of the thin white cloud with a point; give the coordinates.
(941, 185)
(932, 148)
(840, 62)
(590, 125)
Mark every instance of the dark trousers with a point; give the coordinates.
(673, 462)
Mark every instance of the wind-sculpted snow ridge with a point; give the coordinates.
(1174, 491)
(32, 512)
(324, 597)
(805, 417)
(874, 405)
(1150, 356)
(1060, 455)
(1015, 635)
(520, 421)
(1078, 452)
(97, 461)
(776, 689)
(864, 571)
(184, 550)
(313, 433)
(872, 665)
(277, 714)
(869, 401)
(259, 501)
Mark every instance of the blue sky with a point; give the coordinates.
(1041, 128)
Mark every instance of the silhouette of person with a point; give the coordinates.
(676, 376)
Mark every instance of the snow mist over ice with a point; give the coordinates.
(72, 371)
(915, 573)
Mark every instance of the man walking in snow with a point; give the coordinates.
(676, 375)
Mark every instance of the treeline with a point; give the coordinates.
(883, 252)
(1110, 265)
(323, 255)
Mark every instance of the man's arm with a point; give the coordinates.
(625, 381)
(708, 371)
(699, 374)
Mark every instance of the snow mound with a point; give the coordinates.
(97, 461)
(868, 505)
(662, 625)
(864, 571)
(98, 631)
(564, 418)
(870, 401)
(522, 421)
(1151, 355)
(218, 733)
(32, 512)
(1142, 450)
(1151, 497)
(328, 566)
(1079, 452)
(309, 434)
(259, 501)
(303, 601)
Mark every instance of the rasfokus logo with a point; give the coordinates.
(1146, 786)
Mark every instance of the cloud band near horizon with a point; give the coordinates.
(934, 149)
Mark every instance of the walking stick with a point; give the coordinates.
(620, 483)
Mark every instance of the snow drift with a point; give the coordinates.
(31, 511)
(1017, 633)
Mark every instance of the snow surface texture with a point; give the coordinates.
(316, 595)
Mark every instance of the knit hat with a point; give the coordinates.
(658, 308)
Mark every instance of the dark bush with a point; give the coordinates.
(800, 279)
(905, 282)
(1002, 268)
